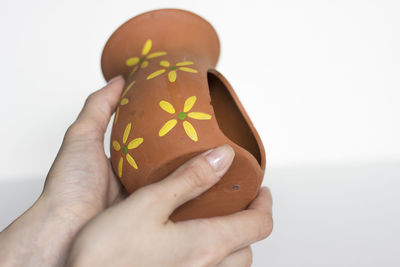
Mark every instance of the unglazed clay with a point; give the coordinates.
(176, 105)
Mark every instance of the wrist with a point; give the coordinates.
(40, 236)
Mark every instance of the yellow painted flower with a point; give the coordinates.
(143, 60)
(124, 149)
(172, 69)
(189, 129)
(123, 101)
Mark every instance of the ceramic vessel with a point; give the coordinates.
(175, 106)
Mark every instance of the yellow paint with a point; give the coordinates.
(188, 127)
(116, 145)
(124, 101)
(164, 63)
(132, 61)
(135, 143)
(126, 132)
(143, 59)
(188, 69)
(156, 54)
(167, 127)
(131, 145)
(172, 76)
(189, 103)
(168, 107)
(190, 131)
(155, 74)
(184, 63)
(134, 69)
(199, 115)
(127, 89)
(131, 161)
(146, 47)
(116, 115)
(144, 64)
(120, 163)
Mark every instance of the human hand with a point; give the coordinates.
(80, 184)
(137, 231)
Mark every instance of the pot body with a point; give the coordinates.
(166, 113)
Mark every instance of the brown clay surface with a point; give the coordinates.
(185, 37)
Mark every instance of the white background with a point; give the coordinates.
(320, 80)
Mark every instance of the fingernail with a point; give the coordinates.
(220, 158)
(116, 78)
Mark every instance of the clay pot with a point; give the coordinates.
(175, 106)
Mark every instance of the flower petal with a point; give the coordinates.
(127, 89)
(156, 54)
(189, 103)
(116, 145)
(120, 163)
(168, 107)
(124, 101)
(190, 131)
(144, 64)
(199, 115)
(155, 74)
(188, 69)
(132, 61)
(164, 63)
(116, 115)
(134, 70)
(126, 132)
(131, 161)
(146, 47)
(184, 63)
(135, 143)
(172, 76)
(167, 127)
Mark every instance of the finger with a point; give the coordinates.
(232, 232)
(189, 180)
(98, 108)
(241, 258)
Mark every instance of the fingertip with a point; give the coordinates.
(115, 79)
(263, 201)
(100, 105)
(116, 85)
(220, 158)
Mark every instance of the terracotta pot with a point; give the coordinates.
(175, 106)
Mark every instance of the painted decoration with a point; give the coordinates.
(172, 69)
(124, 147)
(143, 60)
(183, 115)
(123, 101)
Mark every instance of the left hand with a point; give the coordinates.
(80, 184)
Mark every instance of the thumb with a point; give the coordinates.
(98, 108)
(190, 180)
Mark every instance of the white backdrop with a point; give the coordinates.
(320, 80)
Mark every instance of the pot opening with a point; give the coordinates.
(229, 117)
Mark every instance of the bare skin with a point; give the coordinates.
(85, 218)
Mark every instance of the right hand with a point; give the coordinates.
(137, 231)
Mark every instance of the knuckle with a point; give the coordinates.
(198, 174)
(75, 129)
(207, 255)
(148, 196)
(81, 130)
(92, 97)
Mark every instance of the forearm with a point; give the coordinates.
(39, 237)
